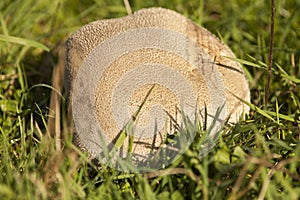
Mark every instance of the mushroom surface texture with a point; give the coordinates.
(135, 82)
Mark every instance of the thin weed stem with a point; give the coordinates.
(270, 53)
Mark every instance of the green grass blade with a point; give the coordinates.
(23, 41)
(245, 62)
(3, 25)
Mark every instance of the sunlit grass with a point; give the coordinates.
(257, 158)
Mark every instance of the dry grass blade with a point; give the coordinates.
(53, 124)
(128, 7)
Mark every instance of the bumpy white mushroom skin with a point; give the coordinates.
(112, 64)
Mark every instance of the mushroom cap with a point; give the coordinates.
(154, 61)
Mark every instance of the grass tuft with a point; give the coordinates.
(257, 158)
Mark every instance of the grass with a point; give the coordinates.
(257, 158)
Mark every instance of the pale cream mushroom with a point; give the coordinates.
(112, 64)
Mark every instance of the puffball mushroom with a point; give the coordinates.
(145, 73)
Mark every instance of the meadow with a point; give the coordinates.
(256, 158)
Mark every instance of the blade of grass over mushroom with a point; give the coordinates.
(245, 62)
(127, 130)
(211, 135)
(23, 41)
(121, 138)
(143, 102)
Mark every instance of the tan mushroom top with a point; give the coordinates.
(113, 64)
